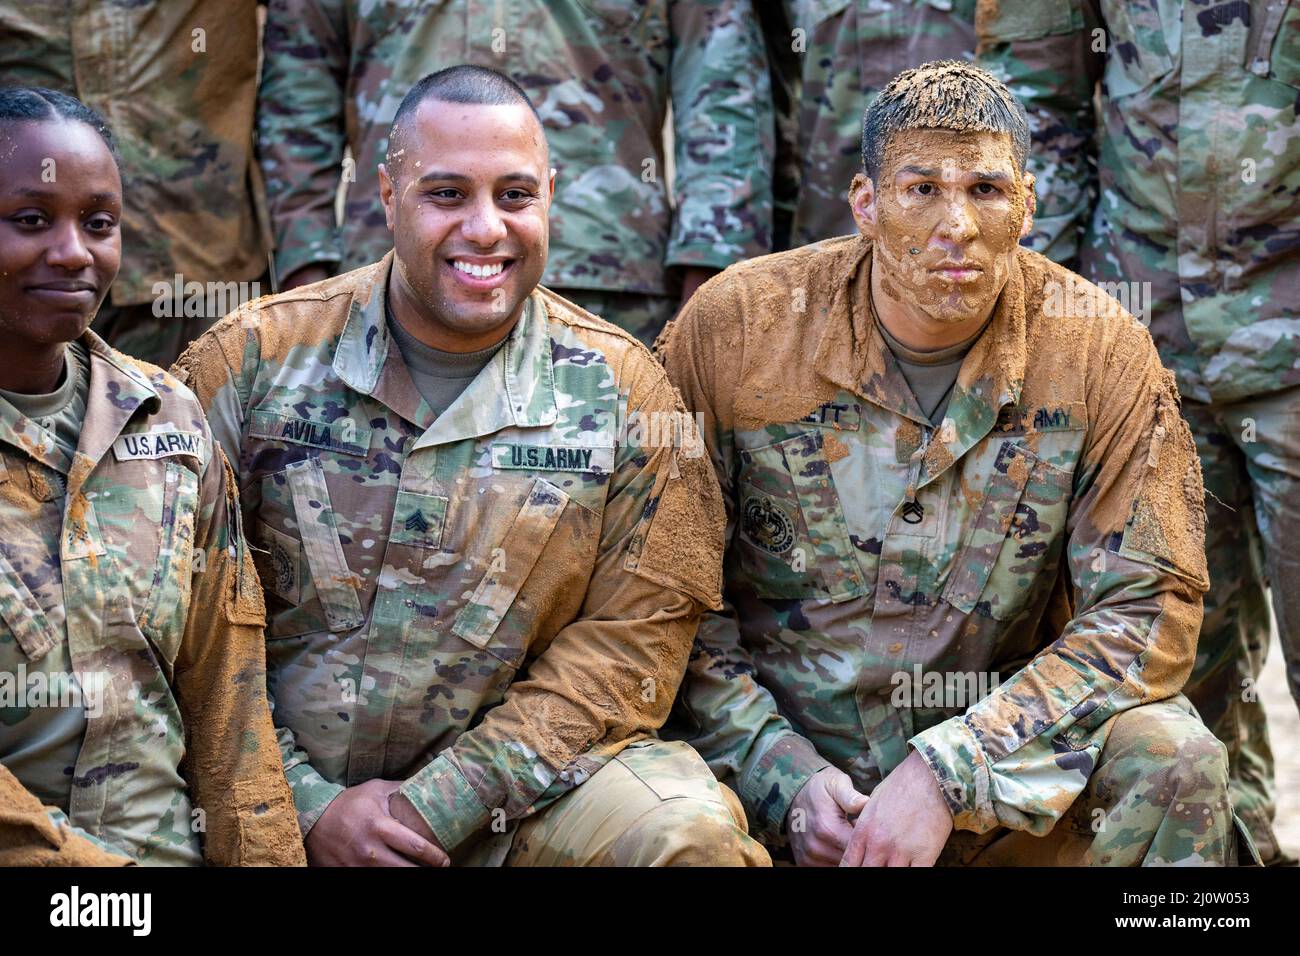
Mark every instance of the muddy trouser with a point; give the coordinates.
(1158, 796)
(1250, 457)
(655, 804)
(641, 314)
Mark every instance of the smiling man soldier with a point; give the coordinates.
(482, 594)
(936, 461)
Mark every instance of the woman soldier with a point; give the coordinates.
(134, 725)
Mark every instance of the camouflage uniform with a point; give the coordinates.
(1198, 170)
(415, 569)
(176, 81)
(601, 74)
(831, 57)
(138, 577)
(1053, 546)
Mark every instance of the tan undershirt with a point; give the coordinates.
(930, 374)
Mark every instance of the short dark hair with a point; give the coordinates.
(476, 85)
(942, 94)
(35, 104)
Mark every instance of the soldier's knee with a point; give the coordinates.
(1171, 755)
(689, 832)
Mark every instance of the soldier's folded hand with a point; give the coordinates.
(820, 819)
(906, 823)
(356, 829)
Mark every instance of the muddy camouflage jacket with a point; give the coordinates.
(601, 74)
(1053, 549)
(141, 568)
(176, 81)
(489, 605)
(1198, 166)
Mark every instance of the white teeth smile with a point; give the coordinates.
(477, 271)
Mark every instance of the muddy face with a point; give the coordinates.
(946, 218)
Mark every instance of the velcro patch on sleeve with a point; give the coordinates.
(160, 443)
(547, 457)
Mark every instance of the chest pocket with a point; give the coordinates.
(166, 605)
(1020, 527)
(309, 571)
(793, 540)
(511, 562)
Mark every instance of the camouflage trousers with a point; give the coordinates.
(1250, 458)
(1158, 797)
(639, 313)
(655, 804)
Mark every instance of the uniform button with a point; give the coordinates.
(1259, 67)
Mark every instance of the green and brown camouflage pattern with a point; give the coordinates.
(138, 577)
(601, 74)
(489, 605)
(176, 81)
(834, 56)
(1057, 552)
(1197, 149)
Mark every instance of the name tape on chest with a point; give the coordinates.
(343, 435)
(529, 457)
(842, 416)
(158, 444)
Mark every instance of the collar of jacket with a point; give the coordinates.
(516, 388)
(116, 392)
(852, 354)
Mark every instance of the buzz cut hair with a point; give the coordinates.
(474, 85)
(946, 95)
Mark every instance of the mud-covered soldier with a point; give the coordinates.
(482, 594)
(134, 725)
(1186, 208)
(826, 60)
(178, 78)
(602, 73)
(931, 478)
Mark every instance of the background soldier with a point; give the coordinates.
(1196, 158)
(431, 450)
(828, 60)
(602, 75)
(177, 81)
(917, 435)
(126, 589)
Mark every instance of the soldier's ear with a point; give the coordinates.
(1031, 205)
(386, 195)
(551, 195)
(862, 199)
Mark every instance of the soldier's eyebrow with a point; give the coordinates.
(926, 171)
(30, 192)
(437, 175)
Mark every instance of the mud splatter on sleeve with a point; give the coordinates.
(1023, 754)
(233, 762)
(731, 719)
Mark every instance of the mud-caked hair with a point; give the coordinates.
(474, 85)
(35, 104)
(942, 94)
